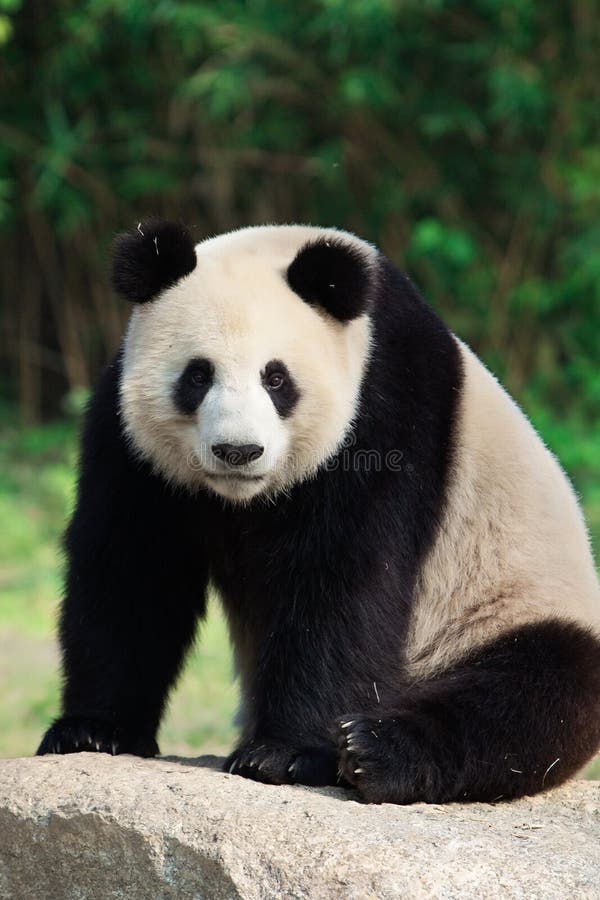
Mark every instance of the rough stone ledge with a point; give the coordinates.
(90, 826)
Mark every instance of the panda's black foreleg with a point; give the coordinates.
(520, 715)
(123, 643)
(135, 588)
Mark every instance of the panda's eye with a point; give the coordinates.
(198, 378)
(199, 373)
(275, 381)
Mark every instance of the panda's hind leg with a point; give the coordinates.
(517, 716)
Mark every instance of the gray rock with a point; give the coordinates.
(91, 827)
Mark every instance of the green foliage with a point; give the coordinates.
(36, 486)
(463, 138)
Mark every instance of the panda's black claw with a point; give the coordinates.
(278, 763)
(231, 765)
(73, 734)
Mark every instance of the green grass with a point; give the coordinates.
(36, 493)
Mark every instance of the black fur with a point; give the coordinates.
(332, 274)
(318, 588)
(193, 385)
(285, 397)
(150, 258)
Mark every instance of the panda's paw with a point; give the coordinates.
(74, 734)
(274, 762)
(386, 759)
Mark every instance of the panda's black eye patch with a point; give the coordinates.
(192, 385)
(280, 386)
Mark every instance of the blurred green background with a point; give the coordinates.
(462, 138)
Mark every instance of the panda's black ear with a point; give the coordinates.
(150, 258)
(332, 274)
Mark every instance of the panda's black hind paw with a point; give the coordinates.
(273, 762)
(73, 734)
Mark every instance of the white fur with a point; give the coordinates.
(237, 310)
(512, 547)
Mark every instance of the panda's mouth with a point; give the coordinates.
(232, 476)
(234, 486)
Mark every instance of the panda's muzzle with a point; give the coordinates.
(237, 454)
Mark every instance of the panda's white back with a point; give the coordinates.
(512, 547)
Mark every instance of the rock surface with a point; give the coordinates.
(90, 826)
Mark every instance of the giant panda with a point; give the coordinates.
(403, 565)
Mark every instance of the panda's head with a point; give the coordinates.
(244, 355)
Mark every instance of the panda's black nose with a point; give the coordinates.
(237, 454)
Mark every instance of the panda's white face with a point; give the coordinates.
(231, 382)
